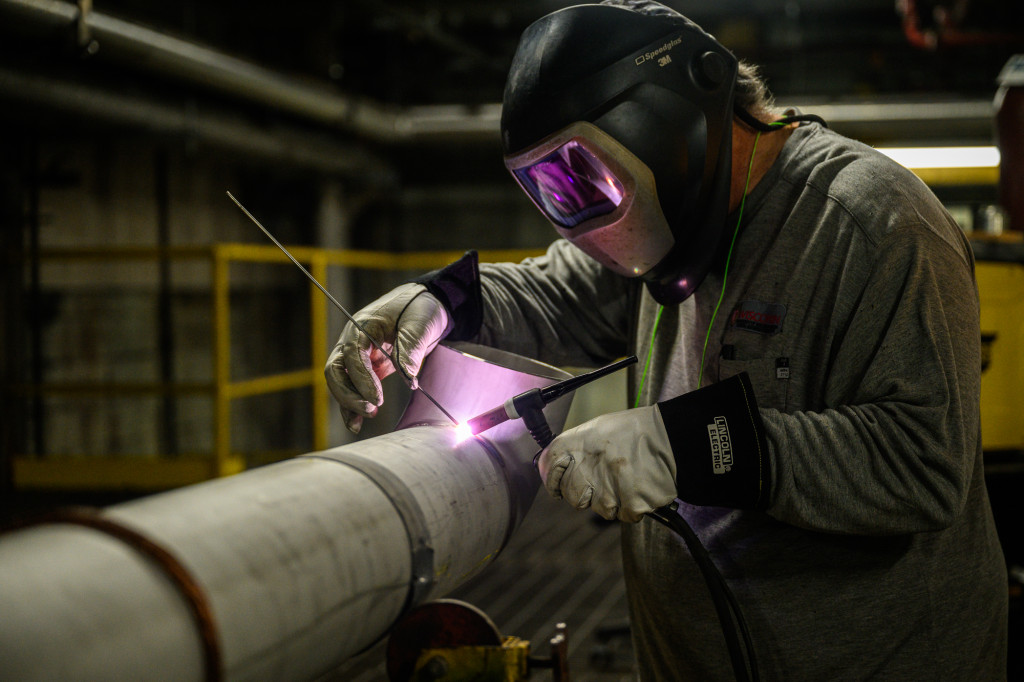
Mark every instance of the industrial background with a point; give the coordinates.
(152, 338)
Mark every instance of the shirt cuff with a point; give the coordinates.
(457, 286)
(718, 442)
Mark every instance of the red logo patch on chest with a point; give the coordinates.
(755, 316)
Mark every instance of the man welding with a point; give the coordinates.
(806, 320)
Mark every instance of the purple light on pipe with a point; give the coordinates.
(487, 379)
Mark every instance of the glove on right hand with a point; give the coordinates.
(620, 465)
(408, 322)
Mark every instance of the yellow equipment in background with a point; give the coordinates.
(448, 640)
(1001, 288)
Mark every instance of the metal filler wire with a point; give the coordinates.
(412, 384)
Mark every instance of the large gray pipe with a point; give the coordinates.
(282, 572)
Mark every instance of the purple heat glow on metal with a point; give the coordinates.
(475, 389)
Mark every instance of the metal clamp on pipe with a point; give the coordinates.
(408, 510)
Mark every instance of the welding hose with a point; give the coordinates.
(530, 407)
(729, 615)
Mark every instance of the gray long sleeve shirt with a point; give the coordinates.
(850, 300)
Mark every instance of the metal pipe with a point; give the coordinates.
(281, 144)
(907, 120)
(159, 53)
(300, 564)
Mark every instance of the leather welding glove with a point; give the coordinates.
(407, 322)
(706, 447)
(619, 464)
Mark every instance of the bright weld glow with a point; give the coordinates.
(462, 432)
(943, 157)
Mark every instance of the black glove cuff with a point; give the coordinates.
(718, 440)
(457, 286)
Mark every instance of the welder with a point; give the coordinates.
(806, 320)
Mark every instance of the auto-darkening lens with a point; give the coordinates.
(571, 185)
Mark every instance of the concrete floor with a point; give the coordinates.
(560, 566)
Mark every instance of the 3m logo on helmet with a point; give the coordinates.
(648, 56)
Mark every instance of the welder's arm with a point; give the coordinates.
(562, 308)
(407, 322)
(706, 447)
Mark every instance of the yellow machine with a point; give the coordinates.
(451, 641)
(1001, 286)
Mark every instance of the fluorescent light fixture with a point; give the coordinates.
(943, 157)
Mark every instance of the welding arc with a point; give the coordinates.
(409, 380)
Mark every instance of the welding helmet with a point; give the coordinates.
(617, 125)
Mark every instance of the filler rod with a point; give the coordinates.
(413, 384)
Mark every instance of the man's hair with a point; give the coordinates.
(752, 93)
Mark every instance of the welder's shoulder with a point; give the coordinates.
(881, 196)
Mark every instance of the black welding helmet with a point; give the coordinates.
(617, 125)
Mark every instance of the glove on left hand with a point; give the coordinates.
(619, 464)
(408, 322)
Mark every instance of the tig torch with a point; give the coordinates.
(529, 405)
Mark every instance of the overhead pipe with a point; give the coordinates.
(281, 144)
(285, 571)
(160, 53)
(173, 57)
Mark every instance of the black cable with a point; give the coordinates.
(758, 124)
(730, 616)
(726, 606)
(530, 406)
(796, 118)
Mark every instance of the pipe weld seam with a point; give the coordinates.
(187, 586)
(409, 512)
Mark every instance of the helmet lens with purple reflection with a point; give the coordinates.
(571, 185)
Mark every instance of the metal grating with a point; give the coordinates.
(560, 566)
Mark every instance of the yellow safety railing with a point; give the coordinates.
(151, 472)
(144, 471)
